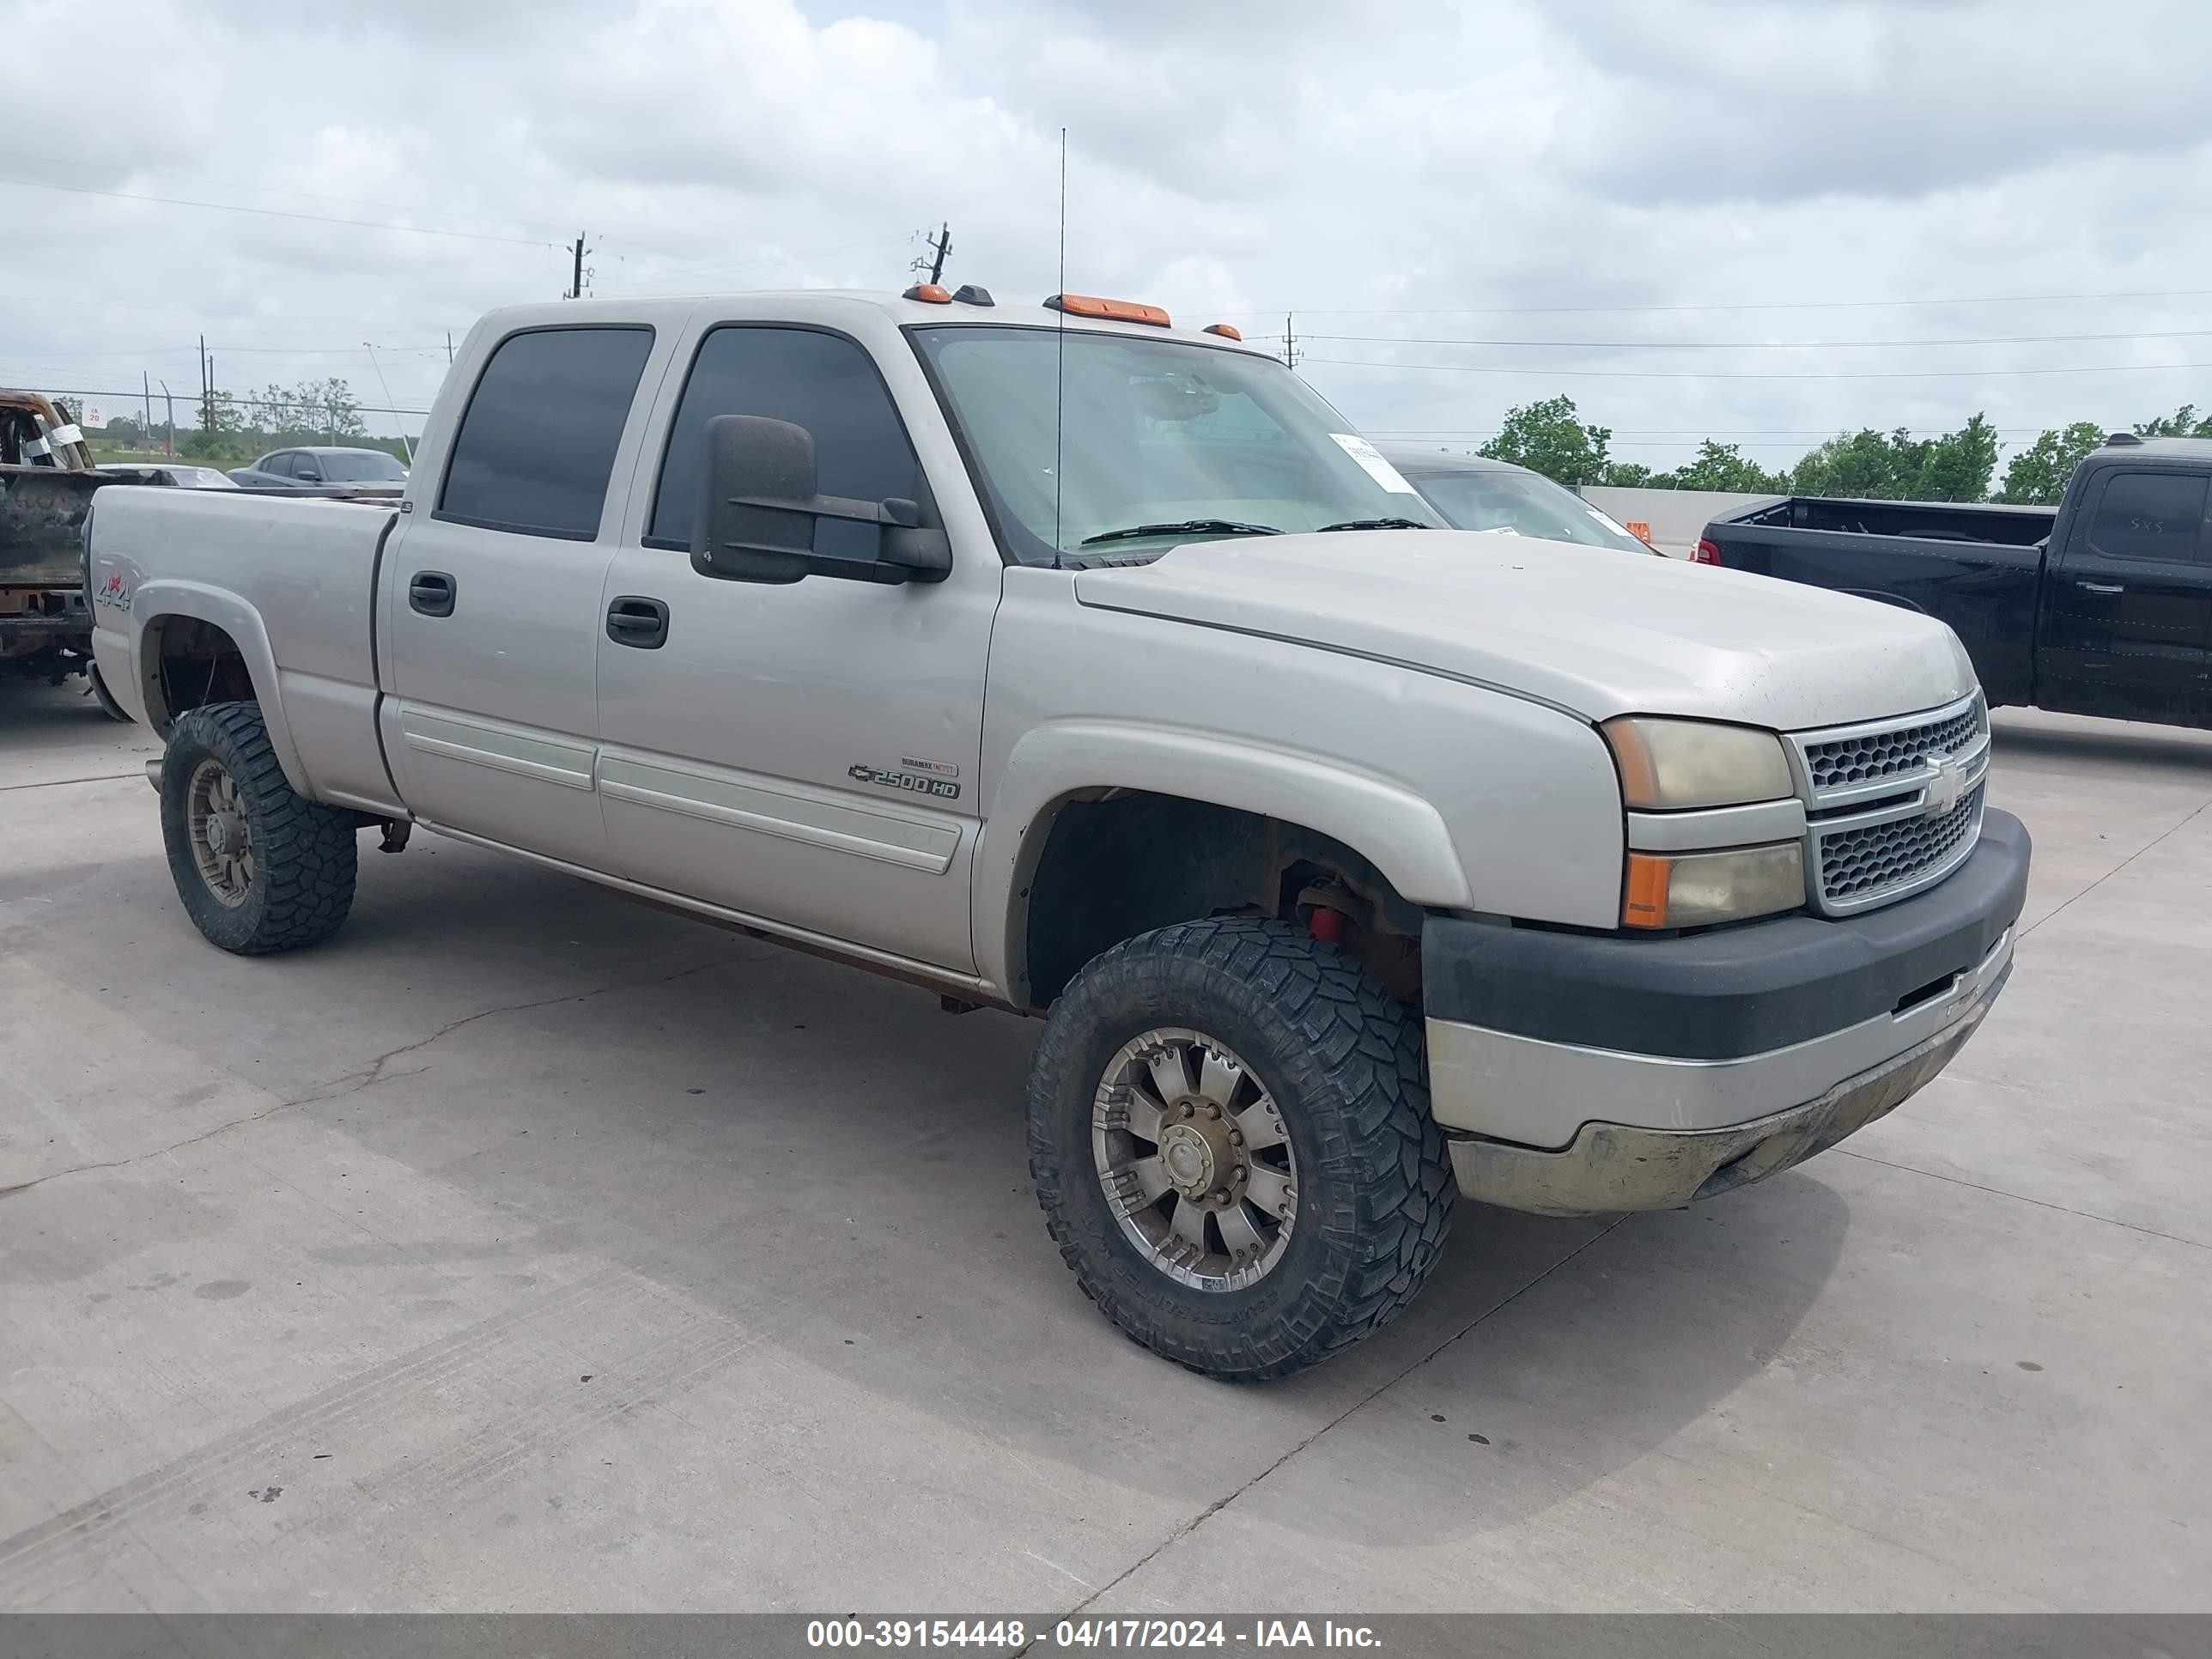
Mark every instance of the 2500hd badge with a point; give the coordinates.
(914, 783)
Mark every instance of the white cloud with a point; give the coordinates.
(1358, 163)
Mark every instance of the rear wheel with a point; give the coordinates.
(259, 867)
(1230, 1135)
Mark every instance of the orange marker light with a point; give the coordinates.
(1120, 311)
(1645, 904)
(1227, 330)
(931, 293)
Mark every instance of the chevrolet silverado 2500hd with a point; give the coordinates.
(1063, 661)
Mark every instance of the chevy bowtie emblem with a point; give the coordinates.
(1947, 782)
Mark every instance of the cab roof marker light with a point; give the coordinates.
(1119, 311)
(1227, 330)
(929, 293)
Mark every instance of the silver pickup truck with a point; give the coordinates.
(1062, 661)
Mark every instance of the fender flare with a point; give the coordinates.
(156, 601)
(1401, 834)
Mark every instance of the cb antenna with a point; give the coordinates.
(1059, 371)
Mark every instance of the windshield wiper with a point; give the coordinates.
(1375, 524)
(1188, 527)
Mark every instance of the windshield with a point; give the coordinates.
(1179, 441)
(362, 466)
(1521, 504)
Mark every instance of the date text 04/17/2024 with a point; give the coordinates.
(1087, 1633)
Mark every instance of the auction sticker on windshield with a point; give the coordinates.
(1370, 460)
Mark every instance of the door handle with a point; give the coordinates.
(431, 593)
(2101, 587)
(634, 620)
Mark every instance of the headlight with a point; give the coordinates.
(1690, 889)
(1669, 765)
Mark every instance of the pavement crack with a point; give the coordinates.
(1388, 1383)
(64, 783)
(2022, 1198)
(2171, 830)
(368, 1076)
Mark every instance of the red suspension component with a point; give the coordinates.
(1325, 925)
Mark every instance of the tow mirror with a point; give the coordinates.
(759, 510)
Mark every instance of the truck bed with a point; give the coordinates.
(311, 565)
(1976, 566)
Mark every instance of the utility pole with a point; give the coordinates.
(939, 247)
(1289, 343)
(146, 391)
(207, 391)
(449, 348)
(169, 427)
(576, 285)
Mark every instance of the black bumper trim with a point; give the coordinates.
(1740, 990)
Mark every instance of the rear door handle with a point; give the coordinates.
(2101, 587)
(635, 620)
(431, 593)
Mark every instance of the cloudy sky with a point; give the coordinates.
(1464, 207)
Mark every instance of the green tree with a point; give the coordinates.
(1956, 466)
(2039, 473)
(1722, 466)
(1634, 475)
(1550, 438)
(2183, 422)
(1898, 466)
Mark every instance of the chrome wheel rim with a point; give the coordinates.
(1193, 1159)
(223, 839)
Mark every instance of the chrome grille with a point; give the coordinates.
(1868, 756)
(1864, 864)
(1891, 806)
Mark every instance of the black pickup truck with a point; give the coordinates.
(2102, 605)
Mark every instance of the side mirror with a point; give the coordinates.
(758, 508)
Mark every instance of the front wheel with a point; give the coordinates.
(1231, 1139)
(258, 865)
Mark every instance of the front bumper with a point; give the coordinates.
(1576, 1073)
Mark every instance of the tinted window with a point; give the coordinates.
(820, 381)
(538, 443)
(277, 466)
(307, 468)
(364, 466)
(2149, 515)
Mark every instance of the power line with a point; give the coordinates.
(272, 190)
(1762, 345)
(269, 213)
(659, 276)
(1777, 374)
(1776, 305)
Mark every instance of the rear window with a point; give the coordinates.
(536, 446)
(2149, 515)
(365, 466)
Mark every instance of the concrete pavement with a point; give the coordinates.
(523, 1249)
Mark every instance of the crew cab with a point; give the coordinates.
(1059, 660)
(2101, 606)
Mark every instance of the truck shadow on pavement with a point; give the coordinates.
(2119, 742)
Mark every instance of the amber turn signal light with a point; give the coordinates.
(1120, 311)
(929, 293)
